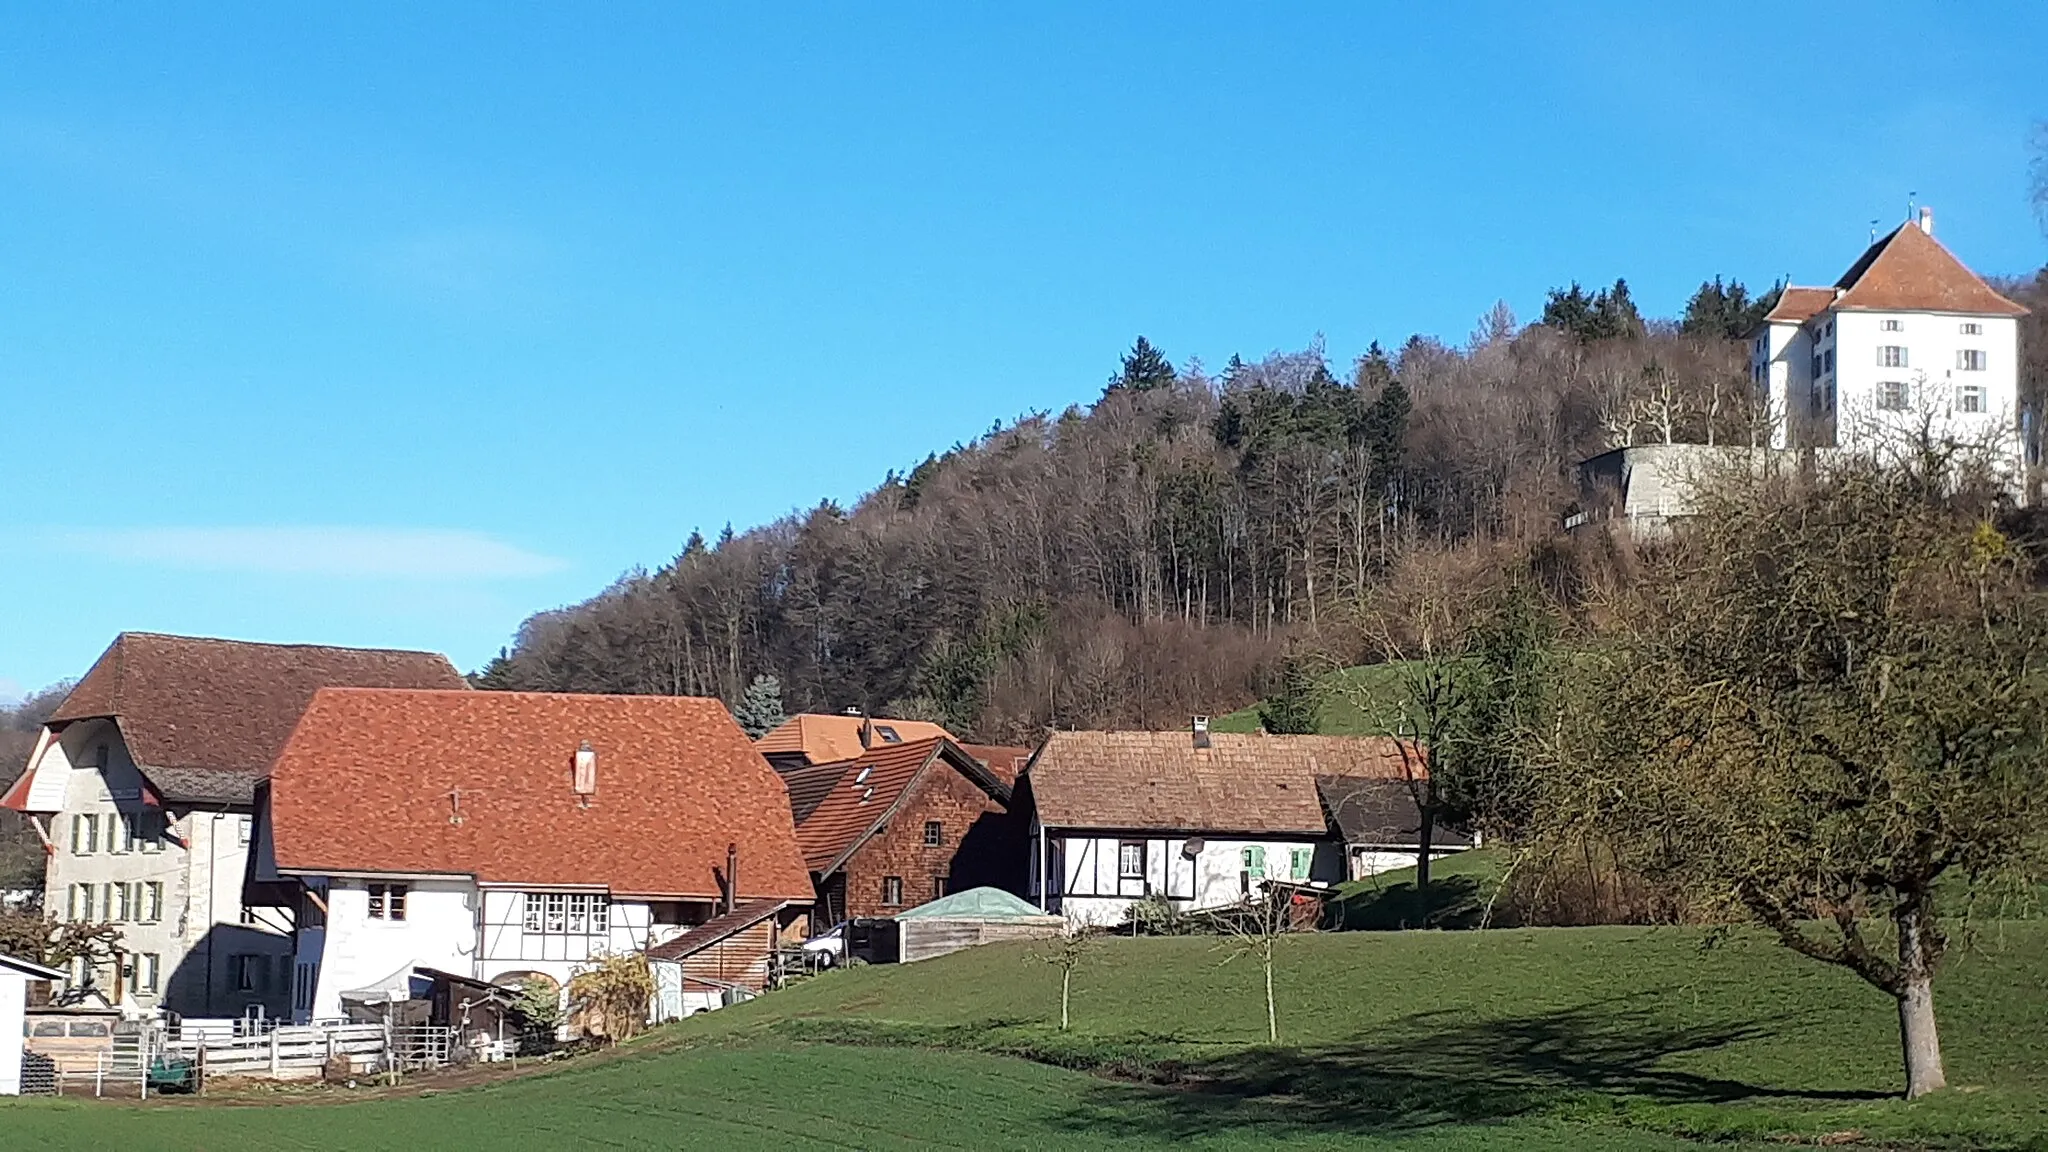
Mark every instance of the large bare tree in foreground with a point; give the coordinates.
(1826, 697)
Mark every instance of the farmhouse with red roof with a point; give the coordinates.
(510, 837)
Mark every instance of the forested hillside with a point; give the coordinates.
(1163, 550)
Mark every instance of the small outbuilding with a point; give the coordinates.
(965, 919)
(15, 978)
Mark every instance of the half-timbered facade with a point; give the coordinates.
(1200, 819)
(508, 837)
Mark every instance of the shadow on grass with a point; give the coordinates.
(1432, 1069)
(1448, 902)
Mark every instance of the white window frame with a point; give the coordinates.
(1970, 328)
(1126, 852)
(1892, 356)
(1972, 398)
(1890, 401)
(1891, 325)
(143, 971)
(85, 834)
(1972, 360)
(892, 891)
(244, 825)
(152, 902)
(566, 913)
(387, 902)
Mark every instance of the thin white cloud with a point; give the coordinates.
(354, 553)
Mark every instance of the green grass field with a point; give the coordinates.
(1356, 702)
(1526, 1039)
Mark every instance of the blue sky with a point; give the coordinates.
(383, 324)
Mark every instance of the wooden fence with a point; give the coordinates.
(286, 1053)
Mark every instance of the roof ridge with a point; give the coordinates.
(187, 638)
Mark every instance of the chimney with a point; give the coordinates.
(867, 731)
(732, 877)
(1927, 219)
(586, 772)
(1201, 731)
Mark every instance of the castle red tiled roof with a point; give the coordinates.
(482, 784)
(1798, 305)
(1910, 271)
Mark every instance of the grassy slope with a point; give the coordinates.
(766, 1096)
(1397, 1031)
(1352, 698)
(1576, 1038)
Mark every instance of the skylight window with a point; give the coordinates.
(887, 734)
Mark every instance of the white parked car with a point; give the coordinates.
(828, 947)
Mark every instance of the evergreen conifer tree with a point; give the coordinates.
(760, 707)
(1144, 368)
(1297, 707)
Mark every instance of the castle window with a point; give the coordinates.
(934, 833)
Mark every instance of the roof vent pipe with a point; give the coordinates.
(732, 877)
(1201, 731)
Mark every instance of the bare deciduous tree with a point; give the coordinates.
(1255, 926)
(1067, 952)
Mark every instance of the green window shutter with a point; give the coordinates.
(1255, 861)
(1299, 859)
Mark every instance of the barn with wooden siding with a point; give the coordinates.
(724, 959)
(965, 919)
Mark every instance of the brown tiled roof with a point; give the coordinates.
(1910, 271)
(1003, 761)
(1798, 305)
(1381, 813)
(808, 786)
(823, 737)
(717, 928)
(481, 784)
(204, 718)
(867, 789)
(1160, 781)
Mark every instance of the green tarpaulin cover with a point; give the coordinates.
(974, 904)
